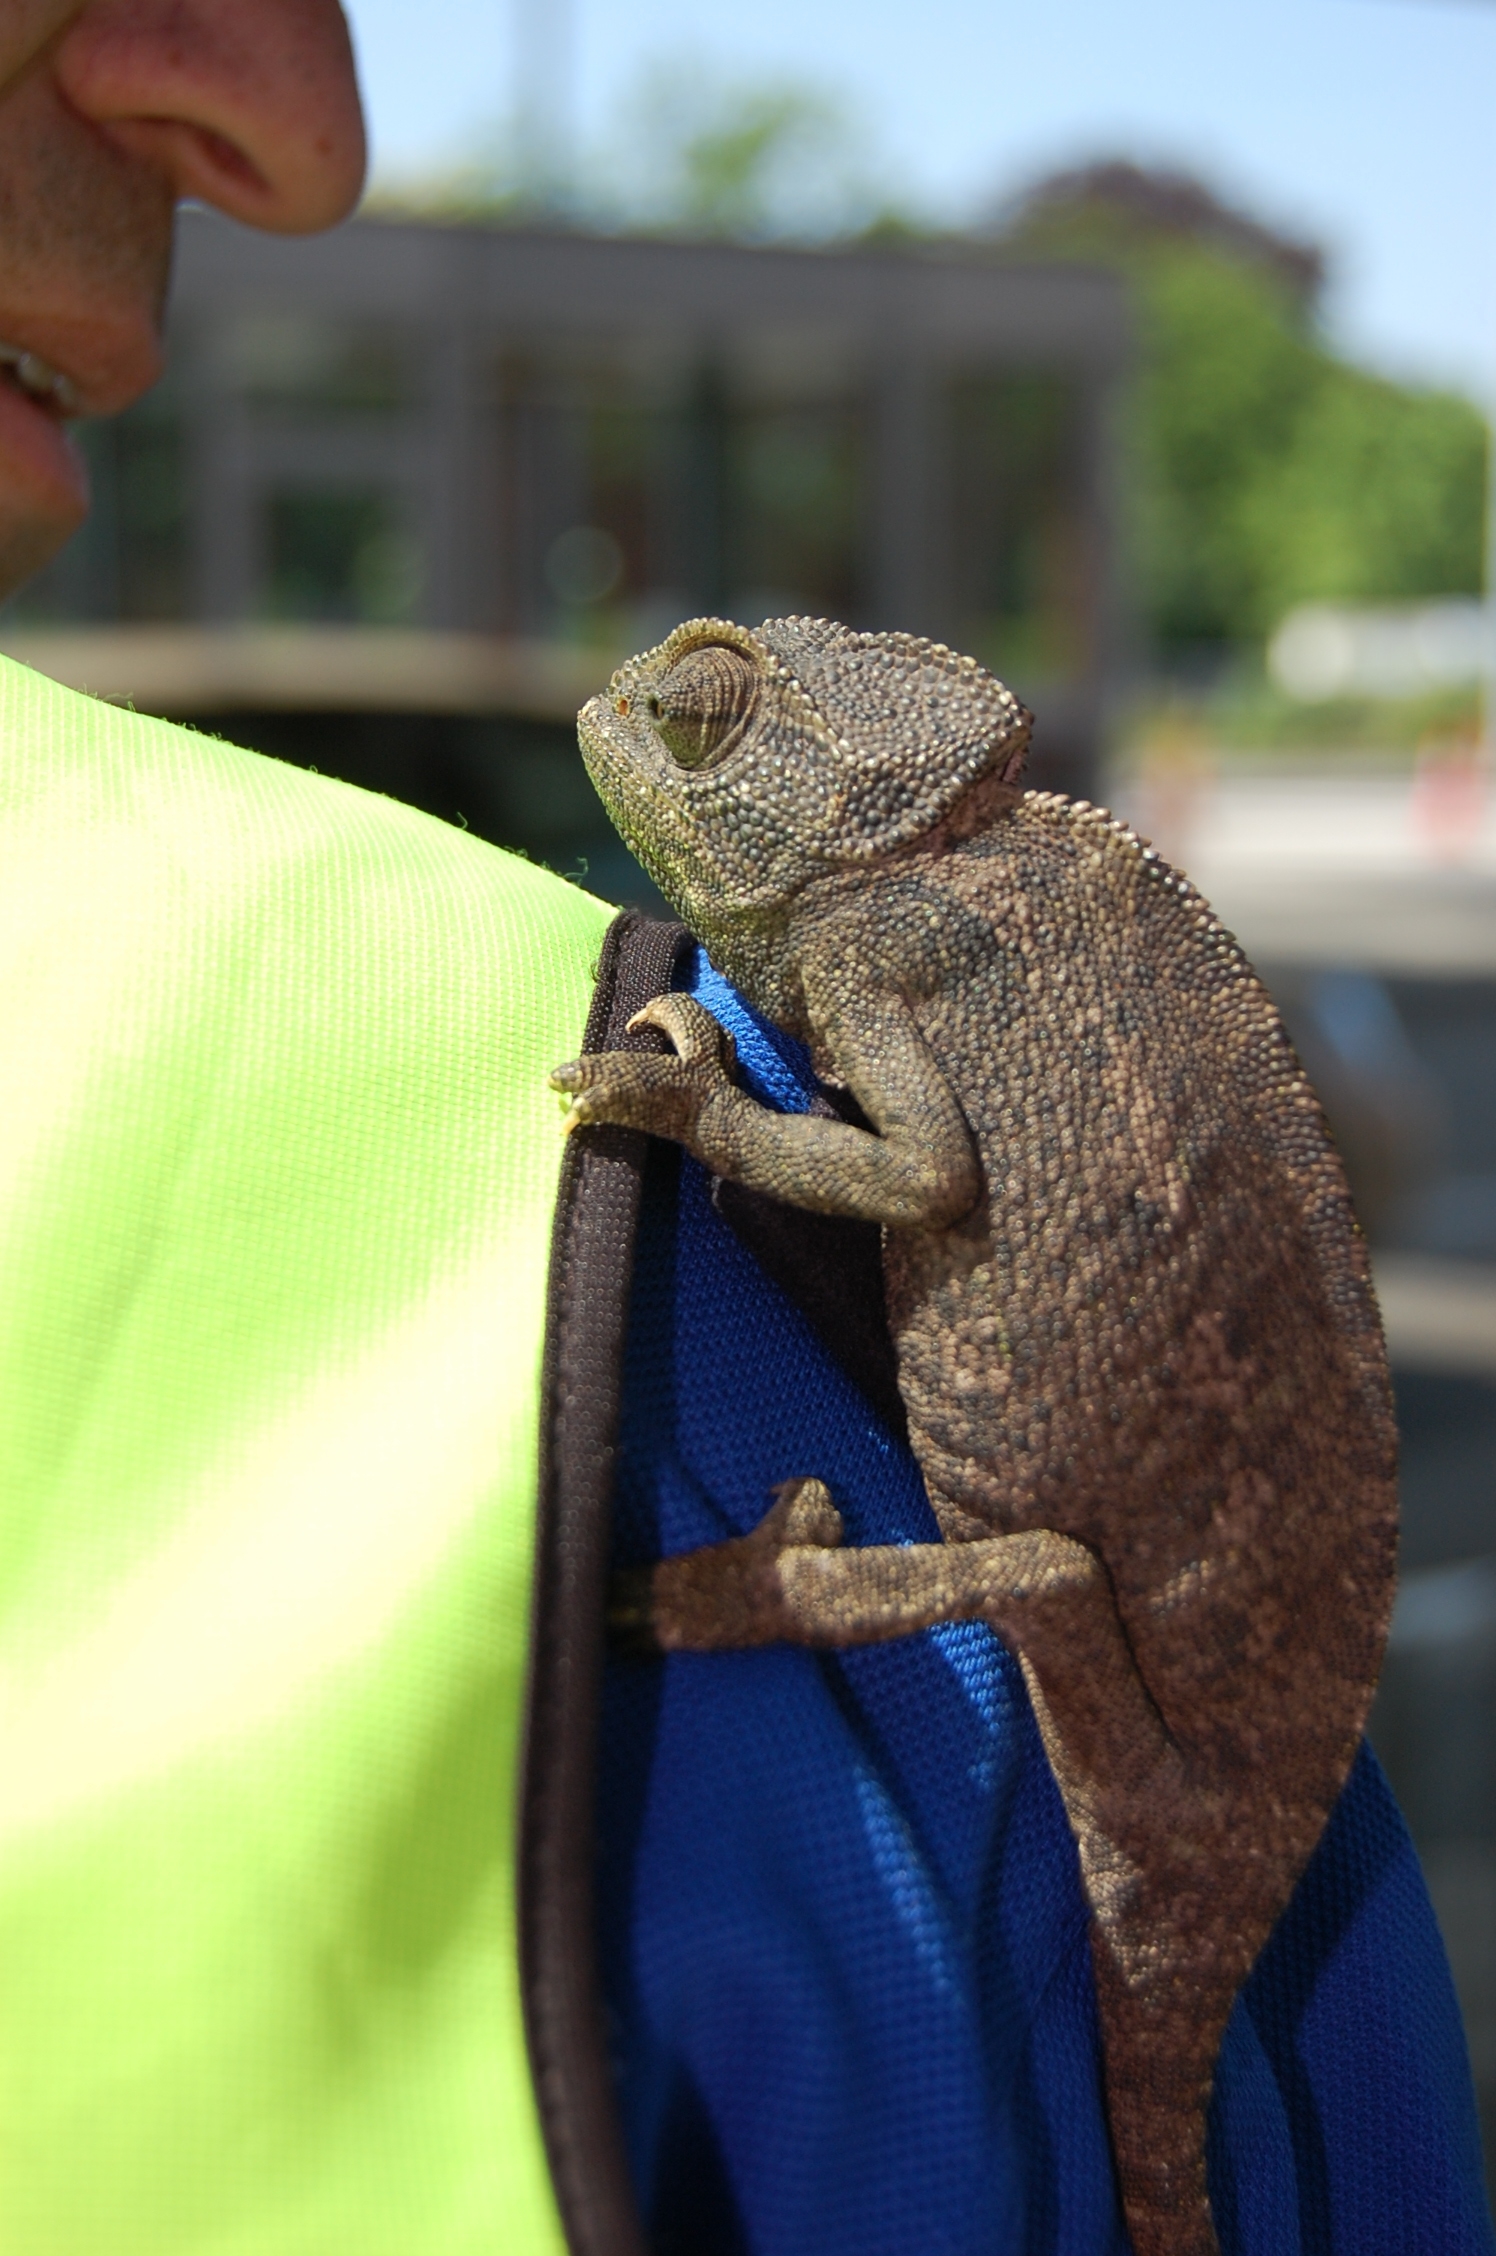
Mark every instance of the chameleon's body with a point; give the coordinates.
(1136, 1336)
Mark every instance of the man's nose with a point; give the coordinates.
(250, 105)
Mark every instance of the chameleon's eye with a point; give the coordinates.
(702, 702)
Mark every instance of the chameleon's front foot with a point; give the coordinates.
(726, 1595)
(665, 1095)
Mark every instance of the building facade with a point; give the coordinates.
(574, 440)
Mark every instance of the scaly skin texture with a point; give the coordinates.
(1136, 1334)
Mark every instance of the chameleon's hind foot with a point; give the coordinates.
(790, 1581)
(726, 1595)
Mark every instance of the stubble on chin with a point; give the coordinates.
(85, 239)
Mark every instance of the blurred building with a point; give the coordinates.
(562, 445)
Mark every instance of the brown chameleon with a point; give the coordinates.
(1136, 1335)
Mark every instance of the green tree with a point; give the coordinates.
(1265, 471)
(771, 160)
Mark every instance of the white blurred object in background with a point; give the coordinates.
(1325, 650)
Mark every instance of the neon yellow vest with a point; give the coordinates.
(277, 1168)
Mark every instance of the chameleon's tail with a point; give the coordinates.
(1167, 1964)
(1159, 2071)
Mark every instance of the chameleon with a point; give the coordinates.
(1137, 1340)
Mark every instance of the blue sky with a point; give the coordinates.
(1368, 125)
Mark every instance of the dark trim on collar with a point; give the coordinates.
(592, 1252)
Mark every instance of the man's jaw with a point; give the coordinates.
(55, 366)
(43, 484)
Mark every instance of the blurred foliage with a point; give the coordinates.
(693, 154)
(1264, 471)
(729, 169)
(771, 161)
(1240, 714)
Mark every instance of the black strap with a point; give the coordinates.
(832, 1270)
(592, 1254)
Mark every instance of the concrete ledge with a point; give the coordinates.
(183, 671)
(1439, 1315)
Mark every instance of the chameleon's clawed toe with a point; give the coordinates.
(803, 1513)
(696, 1037)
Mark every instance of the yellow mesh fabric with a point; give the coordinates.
(277, 1164)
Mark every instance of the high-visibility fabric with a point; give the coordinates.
(277, 1171)
(843, 1939)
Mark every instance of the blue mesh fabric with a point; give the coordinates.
(844, 1945)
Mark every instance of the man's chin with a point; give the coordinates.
(43, 488)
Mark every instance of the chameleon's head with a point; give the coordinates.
(739, 765)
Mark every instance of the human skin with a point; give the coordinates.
(110, 113)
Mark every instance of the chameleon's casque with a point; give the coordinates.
(1136, 1336)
